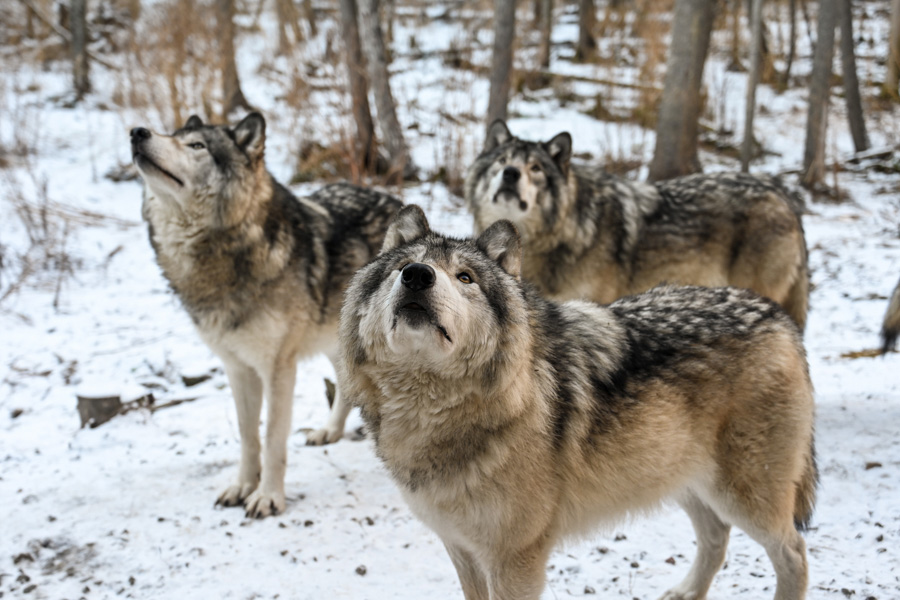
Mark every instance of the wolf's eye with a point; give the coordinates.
(502, 160)
(197, 145)
(535, 168)
(465, 278)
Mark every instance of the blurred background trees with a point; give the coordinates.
(645, 58)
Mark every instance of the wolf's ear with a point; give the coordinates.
(501, 243)
(409, 224)
(250, 135)
(193, 122)
(560, 150)
(497, 134)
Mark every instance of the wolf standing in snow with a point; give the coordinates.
(590, 235)
(261, 273)
(890, 327)
(510, 422)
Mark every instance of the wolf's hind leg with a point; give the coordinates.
(471, 577)
(712, 540)
(246, 387)
(334, 427)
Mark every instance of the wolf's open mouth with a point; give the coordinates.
(417, 313)
(145, 161)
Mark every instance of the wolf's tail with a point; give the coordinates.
(890, 329)
(805, 500)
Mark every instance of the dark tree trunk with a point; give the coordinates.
(892, 77)
(752, 82)
(851, 82)
(501, 64)
(376, 61)
(792, 44)
(587, 20)
(310, 17)
(734, 61)
(546, 23)
(80, 64)
(232, 95)
(287, 19)
(679, 112)
(819, 89)
(365, 153)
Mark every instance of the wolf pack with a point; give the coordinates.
(597, 348)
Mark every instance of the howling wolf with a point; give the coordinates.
(590, 235)
(261, 273)
(510, 422)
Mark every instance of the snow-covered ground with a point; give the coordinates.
(126, 509)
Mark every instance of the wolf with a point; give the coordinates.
(591, 235)
(260, 272)
(510, 421)
(890, 328)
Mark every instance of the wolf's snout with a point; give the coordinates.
(417, 276)
(139, 134)
(511, 175)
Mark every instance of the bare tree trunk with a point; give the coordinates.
(80, 64)
(587, 20)
(679, 112)
(819, 88)
(501, 64)
(734, 62)
(546, 32)
(232, 95)
(376, 61)
(310, 17)
(892, 78)
(851, 81)
(365, 155)
(792, 44)
(287, 18)
(752, 82)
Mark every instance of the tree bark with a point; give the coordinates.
(546, 22)
(376, 61)
(892, 77)
(587, 20)
(287, 19)
(310, 17)
(679, 112)
(501, 64)
(855, 115)
(365, 154)
(819, 88)
(734, 62)
(752, 82)
(232, 95)
(792, 43)
(80, 63)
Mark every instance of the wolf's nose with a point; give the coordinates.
(139, 133)
(511, 175)
(417, 276)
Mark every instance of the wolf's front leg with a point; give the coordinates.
(471, 577)
(268, 499)
(246, 387)
(519, 575)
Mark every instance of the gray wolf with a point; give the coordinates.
(261, 273)
(594, 236)
(510, 421)
(890, 328)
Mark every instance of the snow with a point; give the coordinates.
(126, 509)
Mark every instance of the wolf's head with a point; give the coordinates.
(203, 170)
(433, 303)
(518, 180)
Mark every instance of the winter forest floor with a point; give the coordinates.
(126, 509)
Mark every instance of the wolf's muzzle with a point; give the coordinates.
(417, 276)
(139, 134)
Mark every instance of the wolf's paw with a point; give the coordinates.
(678, 595)
(235, 494)
(261, 504)
(326, 435)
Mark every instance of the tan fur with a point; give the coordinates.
(487, 460)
